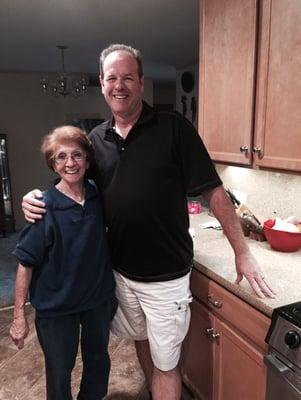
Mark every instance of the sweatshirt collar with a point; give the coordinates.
(61, 201)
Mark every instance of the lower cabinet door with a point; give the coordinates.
(197, 355)
(239, 369)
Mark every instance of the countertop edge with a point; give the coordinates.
(235, 289)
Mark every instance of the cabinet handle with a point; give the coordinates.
(214, 303)
(244, 149)
(211, 334)
(215, 336)
(257, 150)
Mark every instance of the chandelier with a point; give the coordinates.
(63, 84)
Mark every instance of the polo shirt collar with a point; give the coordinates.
(147, 115)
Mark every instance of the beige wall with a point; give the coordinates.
(26, 114)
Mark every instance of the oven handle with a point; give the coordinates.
(276, 364)
(282, 369)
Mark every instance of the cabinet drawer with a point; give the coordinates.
(232, 309)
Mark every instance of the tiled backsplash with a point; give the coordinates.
(266, 191)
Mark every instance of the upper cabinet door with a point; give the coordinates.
(227, 78)
(278, 99)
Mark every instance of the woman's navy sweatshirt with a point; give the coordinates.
(69, 254)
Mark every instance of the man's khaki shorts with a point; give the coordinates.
(157, 311)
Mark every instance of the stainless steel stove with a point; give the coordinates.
(284, 358)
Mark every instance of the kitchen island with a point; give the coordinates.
(223, 353)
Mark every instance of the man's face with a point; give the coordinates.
(121, 85)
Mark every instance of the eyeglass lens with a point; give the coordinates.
(75, 156)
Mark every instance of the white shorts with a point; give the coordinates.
(157, 311)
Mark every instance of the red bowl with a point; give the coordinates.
(281, 240)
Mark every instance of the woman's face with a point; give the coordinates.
(70, 163)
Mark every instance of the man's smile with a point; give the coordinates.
(120, 96)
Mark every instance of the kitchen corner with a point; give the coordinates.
(214, 257)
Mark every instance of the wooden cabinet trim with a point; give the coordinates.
(262, 72)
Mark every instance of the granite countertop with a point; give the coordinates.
(214, 257)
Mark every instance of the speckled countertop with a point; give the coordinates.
(214, 257)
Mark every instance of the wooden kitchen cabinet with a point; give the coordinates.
(278, 97)
(250, 82)
(223, 351)
(239, 372)
(198, 353)
(227, 65)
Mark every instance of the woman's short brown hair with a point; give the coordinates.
(65, 134)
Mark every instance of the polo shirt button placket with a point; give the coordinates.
(121, 141)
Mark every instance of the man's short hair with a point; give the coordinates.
(121, 47)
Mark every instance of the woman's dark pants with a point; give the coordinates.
(59, 338)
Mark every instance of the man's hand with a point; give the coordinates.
(247, 266)
(19, 331)
(32, 207)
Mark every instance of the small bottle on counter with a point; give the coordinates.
(194, 207)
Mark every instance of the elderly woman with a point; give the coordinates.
(64, 263)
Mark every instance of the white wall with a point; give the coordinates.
(267, 191)
(26, 115)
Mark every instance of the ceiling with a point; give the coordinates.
(166, 31)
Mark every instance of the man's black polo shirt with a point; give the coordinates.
(145, 180)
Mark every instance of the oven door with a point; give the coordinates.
(283, 381)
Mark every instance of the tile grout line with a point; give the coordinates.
(3, 363)
(11, 307)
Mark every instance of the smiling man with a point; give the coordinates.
(122, 85)
(146, 165)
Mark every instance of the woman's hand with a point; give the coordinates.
(19, 331)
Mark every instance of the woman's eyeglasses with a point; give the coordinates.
(62, 158)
